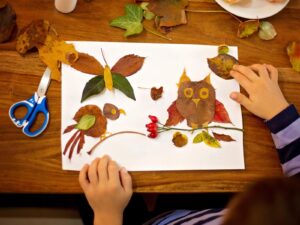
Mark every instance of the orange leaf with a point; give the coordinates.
(221, 115)
(174, 116)
(87, 64)
(179, 139)
(156, 93)
(293, 51)
(128, 65)
(223, 137)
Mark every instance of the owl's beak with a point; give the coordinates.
(196, 101)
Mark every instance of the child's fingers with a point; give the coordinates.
(241, 79)
(126, 181)
(113, 173)
(261, 70)
(246, 71)
(241, 99)
(102, 169)
(83, 179)
(273, 73)
(93, 175)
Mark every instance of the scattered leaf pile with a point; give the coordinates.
(7, 21)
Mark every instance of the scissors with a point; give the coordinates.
(36, 104)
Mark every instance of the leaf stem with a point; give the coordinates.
(104, 57)
(157, 34)
(205, 11)
(102, 140)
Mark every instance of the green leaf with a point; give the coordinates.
(198, 138)
(248, 28)
(131, 22)
(223, 49)
(86, 122)
(210, 140)
(93, 86)
(122, 84)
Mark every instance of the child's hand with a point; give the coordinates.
(107, 189)
(261, 83)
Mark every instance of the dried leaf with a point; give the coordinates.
(70, 142)
(198, 138)
(128, 65)
(73, 145)
(111, 111)
(33, 35)
(293, 51)
(247, 28)
(86, 122)
(123, 85)
(223, 49)
(156, 93)
(266, 31)
(179, 139)
(7, 21)
(222, 64)
(132, 21)
(221, 114)
(81, 142)
(210, 140)
(94, 86)
(69, 128)
(174, 116)
(171, 12)
(223, 137)
(108, 78)
(87, 64)
(183, 78)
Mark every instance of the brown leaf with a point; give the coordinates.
(221, 114)
(223, 137)
(128, 65)
(7, 21)
(74, 144)
(222, 64)
(87, 64)
(293, 51)
(33, 35)
(70, 142)
(81, 142)
(171, 12)
(247, 28)
(111, 111)
(156, 93)
(179, 139)
(69, 128)
(174, 116)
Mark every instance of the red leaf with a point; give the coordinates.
(87, 64)
(69, 128)
(74, 144)
(221, 114)
(174, 116)
(70, 141)
(81, 142)
(128, 65)
(223, 137)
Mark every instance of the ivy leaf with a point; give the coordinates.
(156, 93)
(247, 28)
(128, 65)
(87, 64)
(222, 64)
(210, 140)
(147, 14)
(123, 85)
(179, 139)
(221, 114)
(7, 21)
(293, 51)
(132, 21)
(94, 86)
(174, 116)
(198, 138)
(223, 137)
(86, 122)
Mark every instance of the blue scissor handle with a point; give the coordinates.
(41, 107)
(29, 104)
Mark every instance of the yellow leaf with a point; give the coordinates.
(122, 111)
(210, 140)
(108, 78)
(207, 79)
(183, 78)
(54, 52)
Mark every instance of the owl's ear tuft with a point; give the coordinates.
(183, 78)
(207, 79)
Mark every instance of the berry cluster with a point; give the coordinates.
(152, 127)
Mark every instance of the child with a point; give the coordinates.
(108, 188)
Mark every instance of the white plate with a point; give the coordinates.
(253, 9)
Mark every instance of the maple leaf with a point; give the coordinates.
(132, 21)
(7, 21)
(247, 28)
(156, 93)
(171, 12)
(179, 139)
(87, 64)
(223, 137)
(174, 116)
(293, 51)
(222, 64)
(221, 114)
(128, 65)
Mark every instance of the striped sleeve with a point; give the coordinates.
(285, 131)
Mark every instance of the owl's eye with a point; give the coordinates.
(188, 92)
(204, 93)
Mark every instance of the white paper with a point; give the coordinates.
(163, 66)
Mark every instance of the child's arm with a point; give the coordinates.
(108, 190)
(267, 101)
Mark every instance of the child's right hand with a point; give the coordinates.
(261, 83)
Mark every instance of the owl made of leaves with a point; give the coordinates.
(196, 102)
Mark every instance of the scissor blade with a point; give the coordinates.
(44, 83)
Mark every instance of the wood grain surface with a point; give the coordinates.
(33, 165)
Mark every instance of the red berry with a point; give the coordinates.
(153, 119)
(151, 125)
(152, 135)
(152, 129)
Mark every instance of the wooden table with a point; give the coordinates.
(33, 165)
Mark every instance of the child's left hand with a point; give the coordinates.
(107, 188)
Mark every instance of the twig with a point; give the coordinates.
(121, 132)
